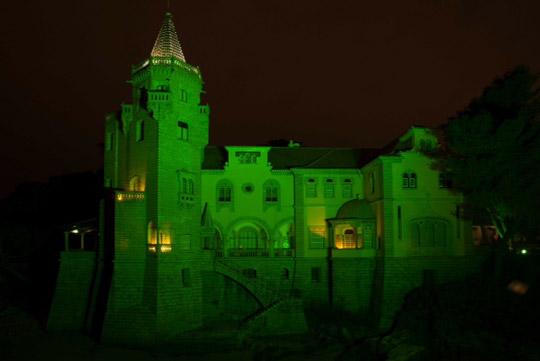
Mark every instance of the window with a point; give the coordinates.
(190, 188)
(165, 237)
(135, 184)
(311, 188)
(247, 238)
(182, 131)
(224, 191)
(317, 235)
(140, 131)
(316, 274)
(405, 180)
(412, 181)
(186, 277)
(349, 239)
(271, 191)
(346, 188)
(152, 237)
(183, 95)
(109, 141)
(372, 182)
(225, 194)
(329, 189)
(444, 181)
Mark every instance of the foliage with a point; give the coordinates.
(491, 150)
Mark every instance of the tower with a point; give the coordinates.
(151, 218)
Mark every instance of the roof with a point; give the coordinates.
(300, 157)
(356, 208)
(167, 44)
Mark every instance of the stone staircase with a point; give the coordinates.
(261, 289)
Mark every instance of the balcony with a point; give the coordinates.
(241, 253)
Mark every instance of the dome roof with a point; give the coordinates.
(357, 208)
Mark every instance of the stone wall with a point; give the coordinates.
(72, 293)
(401, 275)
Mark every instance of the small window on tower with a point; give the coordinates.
(182, 131)
(183, 95)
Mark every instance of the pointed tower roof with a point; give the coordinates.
(167, 44)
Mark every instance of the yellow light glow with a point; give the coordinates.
(75, 231)
(152, 249)
(165, 248)
(523, 251)
(119, 197)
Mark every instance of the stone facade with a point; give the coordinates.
(192, 235)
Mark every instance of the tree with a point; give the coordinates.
(491, 151)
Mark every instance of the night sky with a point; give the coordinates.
(326, 73)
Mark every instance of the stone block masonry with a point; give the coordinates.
(72, 292)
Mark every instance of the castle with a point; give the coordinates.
(192, 234)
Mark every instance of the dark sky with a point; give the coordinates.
(328, 73)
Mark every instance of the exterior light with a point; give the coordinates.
(523, 251)
(75, 231)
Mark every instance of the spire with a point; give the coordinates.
(167, 43)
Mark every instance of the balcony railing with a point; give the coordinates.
(255, 253)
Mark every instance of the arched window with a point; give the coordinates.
(135, 184)
(329, 189)
(184, 185)
(413, 182)
(271, 191)
(247, 238)
(165, 237)
(224, 191)
(405, 180)
(152, 236)
(190, 187)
